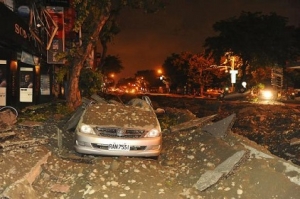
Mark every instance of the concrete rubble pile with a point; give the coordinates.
(237, 168)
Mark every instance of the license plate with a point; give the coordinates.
(119, 147)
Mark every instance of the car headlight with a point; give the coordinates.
(86, 129)
(153, 133)
(267, 94)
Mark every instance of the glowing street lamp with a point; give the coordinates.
(159, 71)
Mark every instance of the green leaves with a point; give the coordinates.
(90, 82)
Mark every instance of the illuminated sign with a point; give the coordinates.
(233, 75)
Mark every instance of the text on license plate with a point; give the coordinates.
(120, 147)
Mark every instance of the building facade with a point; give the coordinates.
(29, 43)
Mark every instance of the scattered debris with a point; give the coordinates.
(7, 135)
(211, 177)
(60, 188)
(30, 124)
(23, 186)
(190, 154)
(13, 145)
(192, 124)
(7, 119)
(295, 141)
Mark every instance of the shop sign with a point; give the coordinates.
(58, 42)
(14, 31)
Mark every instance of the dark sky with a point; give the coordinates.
(146, 40)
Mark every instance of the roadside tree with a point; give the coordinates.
(107, 33)
(92, 16)
(259, 40)
(176, 67)
(200, 71)
(112, 64)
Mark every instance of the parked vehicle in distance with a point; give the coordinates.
(213, 93)
(115, 129)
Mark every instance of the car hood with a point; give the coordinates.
(120, 115)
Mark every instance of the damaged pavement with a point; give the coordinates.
(201, 158)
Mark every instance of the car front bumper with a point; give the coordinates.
(95, 145)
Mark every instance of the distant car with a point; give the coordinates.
(212, 93)
(115, 129)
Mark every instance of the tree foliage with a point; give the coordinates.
(90, 82)
(200, 71)
(111, 64)
(190, 70)
(259, 40)
(91, 18)
(176, 68)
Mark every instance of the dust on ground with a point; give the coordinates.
(186, 154)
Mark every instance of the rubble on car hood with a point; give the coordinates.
(110, 114)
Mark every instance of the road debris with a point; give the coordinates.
(220, 128)
(211, 177)
(14, 145)
(192, 124)
(7, 119)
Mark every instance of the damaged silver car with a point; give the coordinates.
(116, 129)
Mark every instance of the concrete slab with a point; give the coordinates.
(220, 128)
(23, 186)
(211, 177)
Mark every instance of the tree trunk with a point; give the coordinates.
(73, 95)
(201, 90)
(103, 55)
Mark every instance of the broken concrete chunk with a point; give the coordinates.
(23, 187)
(210, 178)
(195, 123)
(95, 97)
(7, 119)
(7, 135)
(28, 123)
(60, 188)
(220, 128)
(295, 141)
(7, 146)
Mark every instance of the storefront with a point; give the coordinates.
(20, 63)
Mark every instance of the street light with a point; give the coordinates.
(232, 71)
(159, 71)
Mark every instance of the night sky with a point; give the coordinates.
(146, 40)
